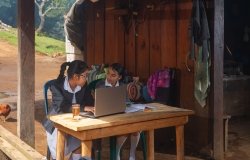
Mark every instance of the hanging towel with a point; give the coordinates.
(199, 51)
(201, 79)
(199, 30)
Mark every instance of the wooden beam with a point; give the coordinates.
(15, 148)
(217, 78)
(26, 72)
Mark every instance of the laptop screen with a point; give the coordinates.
(110, 100)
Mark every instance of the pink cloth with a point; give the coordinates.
(160, 78)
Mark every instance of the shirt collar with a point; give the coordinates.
(107, 84)
(67, 86)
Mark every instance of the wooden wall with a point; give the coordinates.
(156, 38)
(146, 44)
(198, 130)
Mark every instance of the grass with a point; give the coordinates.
(44, 45)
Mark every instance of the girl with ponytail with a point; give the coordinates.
(69, 88)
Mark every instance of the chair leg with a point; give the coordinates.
(112, 147)
(99, 155)
(144, 145)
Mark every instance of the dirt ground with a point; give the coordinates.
(46, 68)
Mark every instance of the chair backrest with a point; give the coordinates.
(45, 94)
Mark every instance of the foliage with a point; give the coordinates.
(52, 8)
(43, 44)
(5, 3)
(8, 12)
(53, 26)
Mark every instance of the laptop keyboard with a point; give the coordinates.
(87, 114)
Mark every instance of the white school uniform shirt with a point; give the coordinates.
(107, 84)
(67, 88)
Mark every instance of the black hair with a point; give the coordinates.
(75, 67)
(119, 69)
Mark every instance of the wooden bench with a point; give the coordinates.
(15, 148)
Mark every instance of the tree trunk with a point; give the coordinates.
(41, 25)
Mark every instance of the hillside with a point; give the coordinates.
(43, 44)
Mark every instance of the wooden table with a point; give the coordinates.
(87, 129)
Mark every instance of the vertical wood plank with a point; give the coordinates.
(99, 13)
(142, 47)
(130, 58)
(90, 35)
(168, 35)
(26, 72)
(183, 42)
(150, 145)
(155, 40)
(120, 40)
(86, 148)
(217, 78)
(110, 42)
(180, 142)
(60, 146)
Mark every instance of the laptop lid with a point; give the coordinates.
(110, 100)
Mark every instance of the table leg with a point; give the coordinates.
(150, 145)
(86, 148)
(60, 144)
(180, 142)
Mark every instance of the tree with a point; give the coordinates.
(46, 7)
(8, 12)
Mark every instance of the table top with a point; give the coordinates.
(156, 111)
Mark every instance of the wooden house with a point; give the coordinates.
(147, 35)
(143, 35)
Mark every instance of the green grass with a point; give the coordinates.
(43, 44)
(49, 46)
(9, 36)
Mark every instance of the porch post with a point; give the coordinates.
(26, 72)
(217, 78)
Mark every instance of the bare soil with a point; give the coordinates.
(46, 68)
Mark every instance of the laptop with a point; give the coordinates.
(108, 101)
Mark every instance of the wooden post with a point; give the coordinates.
(150, 145)
(217, 78)
(60, 146)
(86, 148)
(179, 142)
(26, 72)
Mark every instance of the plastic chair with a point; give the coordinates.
(112, 142)
(46, 105)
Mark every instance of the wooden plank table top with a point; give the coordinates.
(87, 129)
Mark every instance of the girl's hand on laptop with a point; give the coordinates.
(89, 109)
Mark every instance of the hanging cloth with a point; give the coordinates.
(201, 79)
(200, 51)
